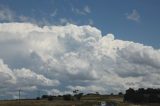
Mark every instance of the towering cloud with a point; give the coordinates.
(58, 59)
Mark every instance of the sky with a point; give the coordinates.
(57, 46)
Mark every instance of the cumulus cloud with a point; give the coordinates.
(64, 21)
(134, 16)
(6, 76)
(59, 59)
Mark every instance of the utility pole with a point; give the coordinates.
(19, 94)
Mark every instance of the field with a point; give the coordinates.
(90, 100)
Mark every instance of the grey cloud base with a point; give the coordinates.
(59, 59)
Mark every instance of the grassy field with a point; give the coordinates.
(46, 103)
(91, 100)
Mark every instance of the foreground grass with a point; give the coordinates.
(85, 101)
(46, 103)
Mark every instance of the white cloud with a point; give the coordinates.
(77, 11)
(6, 75)
(13, 79)
(6, 14)
(87, 9)
(57, 59)
(54, 13)
(9, 15)
(26, 77)
(64, 21)
(84, 11)
(134, 16)
(90, 22)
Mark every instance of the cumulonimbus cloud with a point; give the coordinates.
(60, 58)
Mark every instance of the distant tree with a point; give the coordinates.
(130, 93)
(75, 91)
(59, 95)
(67, 97)
(111, 94)
(38, 98)
(78, 96)
(97, 93)
(50, 98)
(141, 90)
(141, 95)
(120, 93)
(44, 97)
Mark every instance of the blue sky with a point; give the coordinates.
(110, 16)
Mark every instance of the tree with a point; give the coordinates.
(38, 98)
(78, 96)
(75, 91)
(50, 98)
(130, 94)
(120, 93)
(67, 97)
(44, 97)
(141, 95)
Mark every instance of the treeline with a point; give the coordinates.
(70, 97)
(142, 95)
(66, 97)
